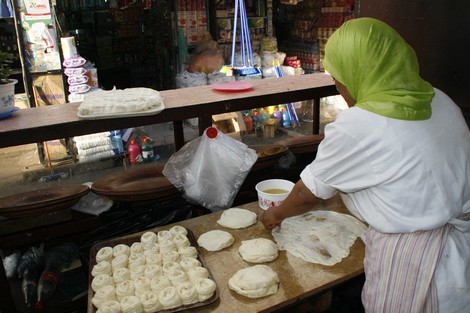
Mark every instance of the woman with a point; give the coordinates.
(400, 159)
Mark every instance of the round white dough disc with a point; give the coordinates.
(236, 218)
(215, 240)
(258, 250)
(255, 282)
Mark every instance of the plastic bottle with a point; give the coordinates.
(248, 123)
(277, 114)
(134, 151)
(116, 141)
(285, 118)
(147, 150)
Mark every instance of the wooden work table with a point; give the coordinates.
(299, 280)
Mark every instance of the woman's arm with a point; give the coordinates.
(299, 201)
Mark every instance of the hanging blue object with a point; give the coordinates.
(247, 66)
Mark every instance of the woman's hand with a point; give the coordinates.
(270, 219)
(299, 201)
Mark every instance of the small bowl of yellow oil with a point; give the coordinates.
(272, 192)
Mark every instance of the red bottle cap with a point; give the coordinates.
(211, 132)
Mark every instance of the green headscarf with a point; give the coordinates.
(379, 69)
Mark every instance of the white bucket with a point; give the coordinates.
(266, 199)
(7, 96)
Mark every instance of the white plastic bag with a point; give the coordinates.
(210, 169)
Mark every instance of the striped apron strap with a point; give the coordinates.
(399, 271)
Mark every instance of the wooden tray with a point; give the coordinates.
(268, 155)
(129, 240)
(142, 180)
(42, 201)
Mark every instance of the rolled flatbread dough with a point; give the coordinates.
(323, 237)
(236, 218)
(215, 240)
(255, 282)
(258, 250)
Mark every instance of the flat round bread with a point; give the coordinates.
(236, 218)
(258, 250)
(323, 237)
(215, 240)
(255, 282)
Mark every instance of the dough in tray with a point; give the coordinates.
(151, 275)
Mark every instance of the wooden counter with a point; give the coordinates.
(61, 121)
(299, 279)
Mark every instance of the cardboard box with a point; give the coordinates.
(48, 90)
(230, 124)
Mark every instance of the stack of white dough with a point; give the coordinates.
(118, 102)
(159, 272)
(93, 147)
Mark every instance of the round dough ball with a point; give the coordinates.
(159, 283)
(178, 230)
(167, 245)
(136, 259)
(170, 256)
(137, 247)
(151, 249)
(121, 274)
(169, 298)
(150, 303)
(154, 259)
(152, 270)
(236, 218)
(148, 238)
(120, 261)
(258, 250)
(141, 284)
(177, 277)
(181, 241)
(104, 254)
(170, 267)
(164, 235)
(188, 252)
(103, 294)
(187, 263)
(103, 267)
(110, 306)
(215, 240)
(131, 304)
(205, 288)
(196, 273)
(101, 280)
(254, 282)
(137, 271)
(187, 293)
(124, 289)
(121, 249)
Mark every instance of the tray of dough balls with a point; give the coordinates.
(160, 271)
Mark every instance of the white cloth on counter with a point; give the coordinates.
(94, 147)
